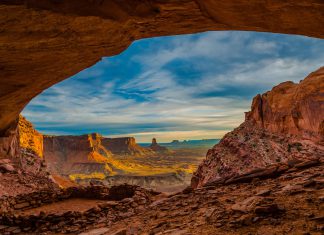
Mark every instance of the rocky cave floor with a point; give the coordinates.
(258, 203)
(289, 204)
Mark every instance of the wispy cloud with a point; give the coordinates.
(193, 86)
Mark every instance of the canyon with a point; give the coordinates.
(94, 159)
(249, 182)
(264, 177)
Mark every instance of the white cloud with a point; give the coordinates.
(231, 67)
(151, 80)
(262, 46)
(264, 74)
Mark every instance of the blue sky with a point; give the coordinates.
(179, 87)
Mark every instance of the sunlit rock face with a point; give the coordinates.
(125, 146)
(24, 170)
(21, 136)
(291, 108)
(45, 42)
(29, 138)
(62, 153)
(87, 153)
(284, 125)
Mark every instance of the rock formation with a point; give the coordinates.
(284, 125)
(125, 146)
(21, 135)
(29, 138)
(158, 148)
(88, 154)
(79, 160)
(289, 108)
(63, 153)
(46, 39)
(26, 172)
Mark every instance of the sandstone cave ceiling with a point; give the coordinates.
(45, 42)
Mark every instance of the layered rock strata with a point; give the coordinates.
(125, 146)
(62, 153)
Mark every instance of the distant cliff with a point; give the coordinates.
(125, 146)
(158, 148)
(93, 158)
(90, 153)
(63, 152)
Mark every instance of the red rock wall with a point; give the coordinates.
(284, 125)
(67, 154)
(62, 152)
(291, 108)
(124, 146)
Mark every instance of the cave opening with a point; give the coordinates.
(149, 115)
(172, 97)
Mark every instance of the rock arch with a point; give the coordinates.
(43, 42)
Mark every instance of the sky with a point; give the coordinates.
(179, 87)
